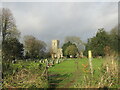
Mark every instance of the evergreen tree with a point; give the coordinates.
(64, 47)
(98, 43)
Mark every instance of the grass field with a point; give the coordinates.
(71, 73)
(66, 72)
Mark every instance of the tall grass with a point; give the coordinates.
(107, 77)
(24, 75)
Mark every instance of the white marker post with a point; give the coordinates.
(90, 60)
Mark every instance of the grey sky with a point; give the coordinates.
(55, 20)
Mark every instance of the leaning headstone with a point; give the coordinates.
(13, 61)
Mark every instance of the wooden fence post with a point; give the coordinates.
(90, 61)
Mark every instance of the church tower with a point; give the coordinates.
(56, 51)
(55, 46)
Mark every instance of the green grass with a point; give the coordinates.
(68, 66)
(67, 74)
(63, 68)
(70, 73)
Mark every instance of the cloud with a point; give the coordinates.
(52, 20)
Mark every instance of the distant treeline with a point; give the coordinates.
(101, 44)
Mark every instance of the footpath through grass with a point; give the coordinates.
(63, 75)
(75, 73)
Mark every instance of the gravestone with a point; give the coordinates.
(40, 61)
(14, 61)
(43, 61)
(57, 61)
(71, 56)
(52, 62)
(46, 61)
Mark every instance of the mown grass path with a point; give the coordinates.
(70, 72)
(60, 73)
(76, 75)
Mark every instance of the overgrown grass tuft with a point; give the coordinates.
(24, 74)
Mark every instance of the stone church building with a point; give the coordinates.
(56, 51)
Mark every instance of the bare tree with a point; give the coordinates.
(8, 27)
(34, 48)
